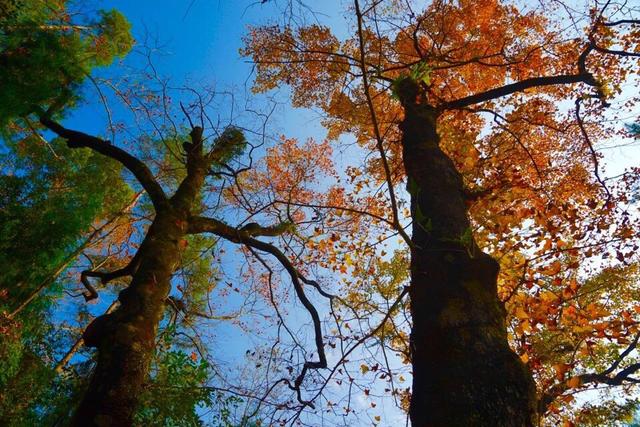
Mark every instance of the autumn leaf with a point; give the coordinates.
(574, 382)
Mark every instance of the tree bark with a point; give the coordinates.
(59, 368)
(125, 339)
(464, 372)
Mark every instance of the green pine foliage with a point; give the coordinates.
(47, 203)
(230, 144)
(44, 56)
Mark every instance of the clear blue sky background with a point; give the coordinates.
(199, 41)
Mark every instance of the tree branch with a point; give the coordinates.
(200, 224)
(376, 130)
(197, 166)
(617, 52)
(592, 151)
(245, 235)
(620, 22)
(142, 173)
(603, 377)
(519, 87)
(297, 285)
(106, 277)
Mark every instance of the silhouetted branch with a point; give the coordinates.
(76, 139)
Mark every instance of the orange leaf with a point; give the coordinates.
(574, 382)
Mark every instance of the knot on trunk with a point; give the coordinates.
(95, 332)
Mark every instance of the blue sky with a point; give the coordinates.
(199, 41)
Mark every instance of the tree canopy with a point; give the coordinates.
(455, 251)
(58, 49)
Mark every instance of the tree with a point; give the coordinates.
(47, 204)
(41, 39)
(51, 196)
(125, 338)
(489, 112)
(462, 104)
(45, 55)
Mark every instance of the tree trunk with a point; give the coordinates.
(464, 372)
(59, 368)
(126, 338)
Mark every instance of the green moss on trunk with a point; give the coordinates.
(464, 372)
(126, 338)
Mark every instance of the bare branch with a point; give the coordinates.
(245, 235)
(620, 22)
(592, 150)
(105, 277)
(376, 130)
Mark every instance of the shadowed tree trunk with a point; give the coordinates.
(464, 372)
(126, 338)
(435, 59)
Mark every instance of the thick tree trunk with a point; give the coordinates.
(464, 372)
(125, 339)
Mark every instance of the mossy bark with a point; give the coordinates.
(125, 339)
(464, 372)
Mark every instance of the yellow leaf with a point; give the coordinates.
(524, 357)
(364, 368)
(377, 418)
(582, 329)
(521, 314)
(348, 260)
(548, 297)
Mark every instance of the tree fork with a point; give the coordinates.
(464, 372)
(125, 338)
